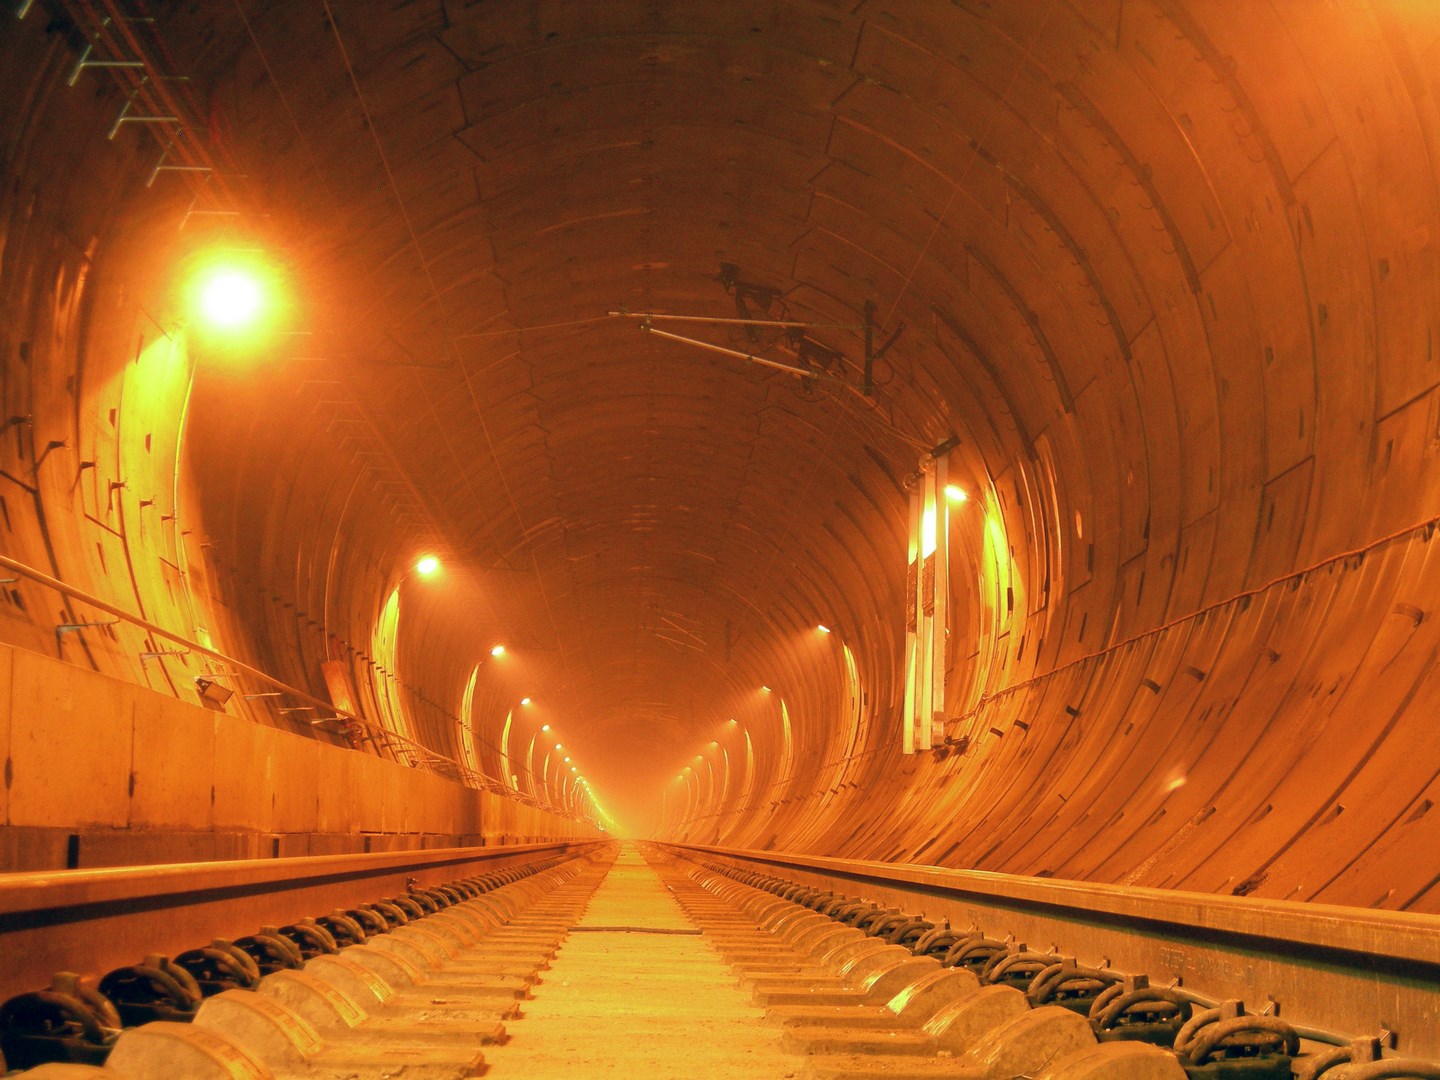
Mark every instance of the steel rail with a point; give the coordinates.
(1323, 968)
(93, 921)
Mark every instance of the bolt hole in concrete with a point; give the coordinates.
(637, 991)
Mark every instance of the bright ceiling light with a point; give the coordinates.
(231, 299)
(955, 494)
(822, 628)
(767, 689)
(572, 768)
(524, 701)
(567, 760)
(732, 720)
(559, 746)
(699, 757)
(427, 565)
(498, 650)
(544, 727)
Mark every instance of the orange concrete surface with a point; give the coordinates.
(627, 1002)
(136, 777)
(1156, 278)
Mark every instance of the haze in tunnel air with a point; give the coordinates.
(1153, 283)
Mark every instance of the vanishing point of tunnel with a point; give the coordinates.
(1001, 436)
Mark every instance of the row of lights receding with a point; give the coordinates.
(429, 564)
(579, 779)
(711, 745)
(230, 299)
(559, 746)
(584, 783)
(426, 566)
(952, 492)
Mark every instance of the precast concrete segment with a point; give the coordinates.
(637, 990)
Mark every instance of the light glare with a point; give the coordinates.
(822, 628)
(955, 493)
(427, 565)
(498, 650)
(928, 537)
(524, 701)
(231, 299)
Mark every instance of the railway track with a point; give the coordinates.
(575, 960)
(1345, 983)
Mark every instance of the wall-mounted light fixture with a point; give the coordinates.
(230, 298)
(212, 691)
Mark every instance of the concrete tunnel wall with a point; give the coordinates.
(1167, 269)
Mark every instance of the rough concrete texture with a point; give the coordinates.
(135, 777)
(626, 998)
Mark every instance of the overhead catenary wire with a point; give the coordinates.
(531, 329)
(435, 292)
(651, 316)
(389, 173)
(799, 373)
(969, 162)
(415, 240)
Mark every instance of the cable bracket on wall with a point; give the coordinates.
(813, 360)
(131, 48)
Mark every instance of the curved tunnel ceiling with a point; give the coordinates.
(1165, 270)
(661, 525)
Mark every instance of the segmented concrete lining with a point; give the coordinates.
(635, 991)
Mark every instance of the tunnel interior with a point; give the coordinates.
(1142, 293)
